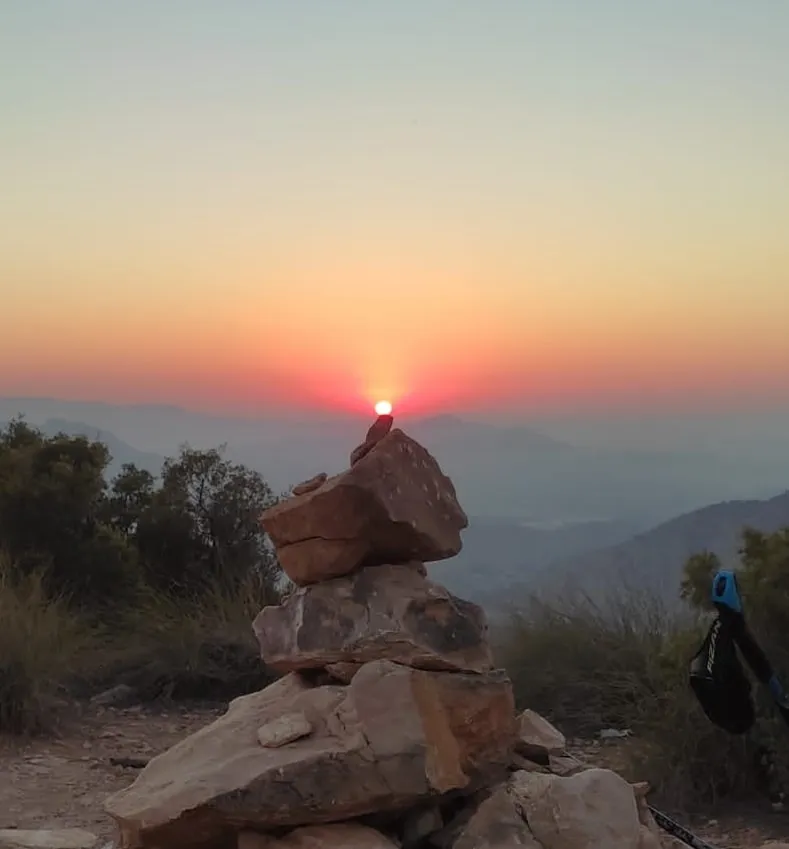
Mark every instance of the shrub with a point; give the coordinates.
(42, 643)
(199, 647)
(626, 666)
(588, 667)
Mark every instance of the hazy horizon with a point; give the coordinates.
(507, 210)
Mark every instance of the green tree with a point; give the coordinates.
(52, 494)
(696, 584)
(202, 526)
(131, 494)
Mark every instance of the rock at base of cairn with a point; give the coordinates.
(393, 737)
(591, 809)
(381, 612)
(393, 506)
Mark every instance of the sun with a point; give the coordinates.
(383, 408)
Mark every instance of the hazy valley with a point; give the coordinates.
(546, 514)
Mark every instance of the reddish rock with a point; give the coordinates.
(380, 427)
(393, 506)
(394, 737)
(361, 451)
(310, 485)
(318, 559)
(376, 613)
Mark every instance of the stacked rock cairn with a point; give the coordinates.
(390, 726)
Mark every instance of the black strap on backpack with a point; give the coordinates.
(717, 676)
(719, 681)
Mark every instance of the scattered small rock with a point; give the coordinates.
(283, 730)
(614, 734)
(121, 695)
(131, 763)
(310, 485)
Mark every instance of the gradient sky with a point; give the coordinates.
(449, 203)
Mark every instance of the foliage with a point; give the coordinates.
(201, 647)
(697, 580)
(627, 667)
(51, 497)
(763, 574)
(42, 643)
(585, 667)
(201, 526)
(149, 580)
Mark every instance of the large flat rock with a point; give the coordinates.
(393, 737)
(394, 505)
(379, 612)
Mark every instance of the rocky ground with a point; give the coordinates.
(62, 782)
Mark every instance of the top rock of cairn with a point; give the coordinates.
(393, 505)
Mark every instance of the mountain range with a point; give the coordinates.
(545, 513)
(516, 473)
(653, 560)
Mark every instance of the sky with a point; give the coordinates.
(508, 204)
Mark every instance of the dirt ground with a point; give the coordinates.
(62, 782)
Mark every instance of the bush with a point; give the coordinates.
(151, 582)
(201, 647)
(42, 643)
(626, 666)
(687, 760)
(586, 666)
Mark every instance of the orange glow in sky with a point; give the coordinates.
(562, 207)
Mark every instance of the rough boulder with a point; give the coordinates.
(393, 737)
(393, 506)
(375, 613)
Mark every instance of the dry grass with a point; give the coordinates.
(42, 644)
(196, 648)
(588, 667)
(626, 667)
(199, 648)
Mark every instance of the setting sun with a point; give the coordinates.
(383, 408)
